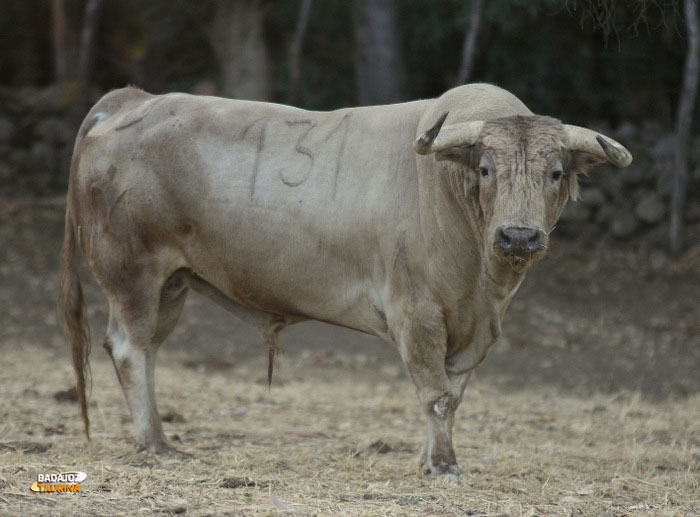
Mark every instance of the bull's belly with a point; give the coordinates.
(290, 277)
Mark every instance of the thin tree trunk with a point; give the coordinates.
(60, 56)
(686, 107)
(295, 50)
(239, 43)
(378, 63)
(469, 48)
(86, 62)
(28, 43)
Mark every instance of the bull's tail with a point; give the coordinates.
(74, 322)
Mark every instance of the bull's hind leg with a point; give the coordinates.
(136, 329)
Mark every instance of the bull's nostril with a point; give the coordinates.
(519, 240)
(504, 240)
(519, 243)
(534, 242)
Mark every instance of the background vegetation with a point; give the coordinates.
(552, 53)
(617, 66)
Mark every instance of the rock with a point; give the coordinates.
(626, 132)
(19, 158)
(692, 210)
(56, 98)
(42, 157)
(204, 88)
(5, 171)
(652, 132)
(575, 213)
(593, 197)
(632, 175)
(664, 185)
(54, 131)
(601, 126)
(7, 129)
(694, 151)
(650, 209)
(658, 236)
(663, 148)
(17, 101)
(611, 184)
(68, 395)
(25, 446)
(605, 215)
(623, 224)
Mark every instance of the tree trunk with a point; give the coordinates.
(686, 107)
(378, 63)
(469, 48)
(295, 50)
(60, 52)
(236, 34)
(86, 62)
(27, 43)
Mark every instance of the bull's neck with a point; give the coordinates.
(458, 247)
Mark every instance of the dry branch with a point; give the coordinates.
(88, 40)
(469, 48)
(684, 115)
(295, 50)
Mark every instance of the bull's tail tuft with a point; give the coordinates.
(75, 324)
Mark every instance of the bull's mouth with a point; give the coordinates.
(519, 259)
(519, 262)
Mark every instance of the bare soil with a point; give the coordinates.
(589, 405)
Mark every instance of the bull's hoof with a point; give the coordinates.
(162, 450)
(445, 471)
(173, 453)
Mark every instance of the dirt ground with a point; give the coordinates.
(589, 405)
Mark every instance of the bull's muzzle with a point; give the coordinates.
(520, 244)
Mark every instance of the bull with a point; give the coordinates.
(415, 222)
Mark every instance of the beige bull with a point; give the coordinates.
(414, 222)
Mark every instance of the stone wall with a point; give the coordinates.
(36, 139)
(634, 202)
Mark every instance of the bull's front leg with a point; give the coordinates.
(458, 382)
(422, 343)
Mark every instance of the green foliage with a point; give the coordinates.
(177, 52)
(327, 73)
(548, 52)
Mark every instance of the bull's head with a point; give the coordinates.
(518, 172)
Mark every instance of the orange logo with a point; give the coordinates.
(62, 482)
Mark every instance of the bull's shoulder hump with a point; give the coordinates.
(120, 99)
(482, 100)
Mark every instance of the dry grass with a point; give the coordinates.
(308, 445)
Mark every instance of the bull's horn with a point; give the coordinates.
(582, 139)
(438, 138)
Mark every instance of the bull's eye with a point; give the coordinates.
(484, 172)
(556, 175)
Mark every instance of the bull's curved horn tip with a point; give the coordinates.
(618, 155)
(422, 144)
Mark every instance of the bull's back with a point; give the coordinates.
(276, 206)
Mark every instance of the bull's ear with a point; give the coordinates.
(463, 154)
(572, 179)
(581, 161)
(575, 163)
